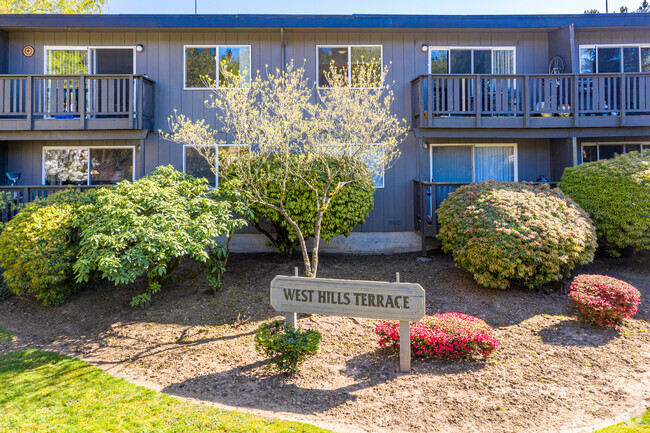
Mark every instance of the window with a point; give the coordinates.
(87, 165)
(372, 155)
(491, 60)
(89, 60)
(473, 163)
(204, 64)
(196, 164)
(597, 151)
(613, 59)
(345, 59)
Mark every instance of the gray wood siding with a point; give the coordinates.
(162, 61)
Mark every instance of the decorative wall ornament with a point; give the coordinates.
(28, 51)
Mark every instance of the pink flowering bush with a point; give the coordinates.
(447, 335)
(503, 231)
(604, 300)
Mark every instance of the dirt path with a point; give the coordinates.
(551, 373)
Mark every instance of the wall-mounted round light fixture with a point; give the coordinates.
(424, 48)
(139, 48)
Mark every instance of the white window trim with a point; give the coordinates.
(46, 148)
(88, 48)
(607, 143)
(478, 48)
(217, 146)
(596, 46)
(216, 59)
(349, 47)
(515, 171)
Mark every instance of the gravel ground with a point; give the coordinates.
(551, 372)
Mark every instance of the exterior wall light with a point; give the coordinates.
(139, 48)
(424, 48)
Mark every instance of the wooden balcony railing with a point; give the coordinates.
(15, 196)
(530, 101)
(47, 102)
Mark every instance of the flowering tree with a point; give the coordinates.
(292, 135)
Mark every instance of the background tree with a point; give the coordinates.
(52, 6)
(279, 117)
(643, 9)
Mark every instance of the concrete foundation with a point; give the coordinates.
(356, 243)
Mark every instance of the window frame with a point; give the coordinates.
(88, 166)
(88, 48)
(609, 143)
(515, 170)
(216, 182)
(216, 59)
(621, 61)
(349, 47)
(512, 48)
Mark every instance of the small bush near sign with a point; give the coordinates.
(604, 300)
(616, 193)
(502, 231)
(287, 347)
(447, 335)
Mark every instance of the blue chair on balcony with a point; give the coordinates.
(13, 177)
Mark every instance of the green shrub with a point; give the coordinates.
(349, 208)
(147, 226)
(39, 246)
(286, 347)
(507, 230)
(616, 193)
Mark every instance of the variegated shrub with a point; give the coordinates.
(503, 231)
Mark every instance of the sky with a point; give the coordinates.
(434, 7)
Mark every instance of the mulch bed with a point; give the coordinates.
(550, 373)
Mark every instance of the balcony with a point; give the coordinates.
(531, 101)
(76, 102)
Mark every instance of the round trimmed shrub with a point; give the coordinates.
(616, 193)
(39, 245)
(446, 335)
(500, 231)
(604, 300)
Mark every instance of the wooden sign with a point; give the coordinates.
(349, 298)
(352, 298)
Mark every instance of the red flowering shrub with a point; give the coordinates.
(500, 231)
(447, 335)
(604, 300)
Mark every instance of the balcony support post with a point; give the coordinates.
(576, 100)
(623, 99)
(82, 102)
(478, 98)
(526, 101)
(29, 100)
(138, 98)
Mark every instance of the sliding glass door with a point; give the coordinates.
(473, 163)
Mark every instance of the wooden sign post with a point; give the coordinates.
(352, 298)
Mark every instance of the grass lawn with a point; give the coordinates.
(45, 391)
(6, 335)
(635, 425)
